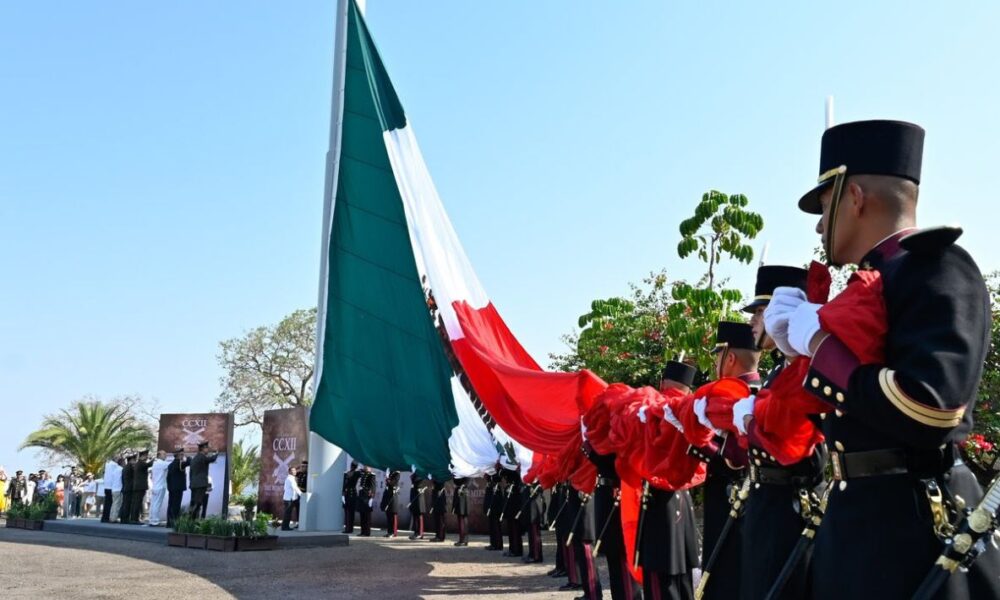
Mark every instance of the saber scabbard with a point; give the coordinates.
(607, 521)
(576, 521)
(734, 515)
(642, 519)
(813, 520)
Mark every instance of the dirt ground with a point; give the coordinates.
(39, 565)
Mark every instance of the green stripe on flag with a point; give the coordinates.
(385, 391)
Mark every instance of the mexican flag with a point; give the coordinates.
(416, 367)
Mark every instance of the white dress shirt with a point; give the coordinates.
(110, 468)
(159, 474)
(292, 491)
(116, 478)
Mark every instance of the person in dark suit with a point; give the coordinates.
(199, 478)
(388, 504)
(460, 508)
(494, 508)
(366, 500)
(128, 476)
(349, 496)
(511, 503)
(176, 484)
(556, 508)
(532, 515)
(140, 485)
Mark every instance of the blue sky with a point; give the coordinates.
(161, 165)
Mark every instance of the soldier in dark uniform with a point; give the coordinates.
(301, 480)
(564, 526)
(583, 535)
(439, 509)
(532, 516)
(128, 477)
(388, 504)
(511, 485)
(736, 356)
(667, 542)
(140, 485)
(460, 508)
(176, 484)
(608, 522)
(418, 505)
(893, 433)
(349, 496)
(557, 502)
(366, 500)
(773, 519)
(198, 475)
(494, 508)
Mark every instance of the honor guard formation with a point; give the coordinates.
(834, 475)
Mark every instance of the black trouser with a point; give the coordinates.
(463, 529)
(198, 501)
(204, 505)
(173, 506)
(589, 578)
(287, 515)
(439, 530)
(126, 509)
(138, 496)
(366, 521)
(535, 541)
(496, 533)
(391, 524)
(619, 577)
(660, 586)
(560, 554)
(349, 505)
(416, 524)
(77, 500)
(106, 509)
(515, 546)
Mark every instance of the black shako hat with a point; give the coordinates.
(775, 276)
(893, 148)
(202, 445)
(732, 335)
(679, 372)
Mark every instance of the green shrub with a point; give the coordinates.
(184, 524)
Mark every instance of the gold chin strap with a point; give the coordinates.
(839, 176)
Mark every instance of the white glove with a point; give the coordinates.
(343, 501)
(802, 326)
(642, 414)
(699, 410)
(671, 418)
(370, 501)
(740, 410)
(779, 310)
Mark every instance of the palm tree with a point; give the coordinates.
(246, 467)
(90, 432)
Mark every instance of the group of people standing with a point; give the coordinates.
(136, 486)
(74, 494)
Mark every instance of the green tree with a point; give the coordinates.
(628, 339)
(246, 467)
(268, 367)
(90, 431)
(982, 448)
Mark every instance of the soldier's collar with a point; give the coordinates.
(885, 249)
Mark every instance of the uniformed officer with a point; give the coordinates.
(439, 508)
(608, 522)
(349, 496)
(511, 485)
(583, 535)
(460, 508)
(128, 479)
(564, 526)
(736, 355)
(140, 485)
(388, 504)
(366, 499)
(418, 505)
(532, 515)
(773, 515)
(898, 477)
(493, 502)
(556, 506)
(667, 543)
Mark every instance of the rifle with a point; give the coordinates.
(965, 546)
(562, 507)
(534, 492)
(420, 492)
(734, 515)
(607, 521)
(642, 519)
(812, 512)
(506, 500)
(576, 521)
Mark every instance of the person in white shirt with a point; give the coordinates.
(158, 475)
(116, 489)
(110, 468)
(292, 493)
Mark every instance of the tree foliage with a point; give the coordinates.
(246, 467)
(90, 432)
(982, 449)
(629, 339)
(268, 367)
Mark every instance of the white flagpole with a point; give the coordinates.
(327, 461)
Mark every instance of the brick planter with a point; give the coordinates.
(220, 544)
(32, 525)
(252, 544)
(177, 539)
(196, 541)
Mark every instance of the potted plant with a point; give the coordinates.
(249, 506)
(221, 538)
(197, 537)
(183, 525)
(15, 514)
(34, 516)
(256, 534)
